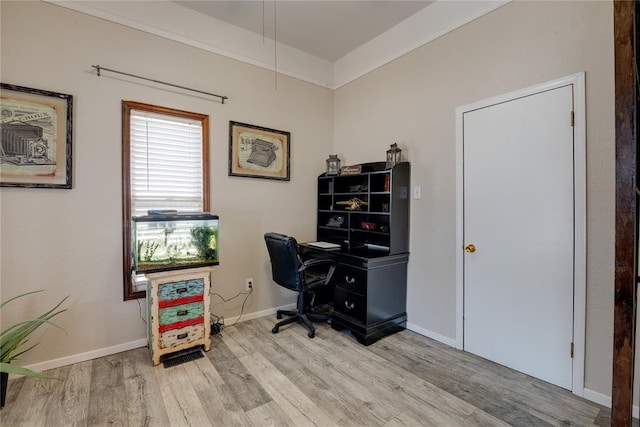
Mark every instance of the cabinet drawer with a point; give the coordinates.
(350, 304)
(180, 336)
(181, 313)
(180, 289)
(351, 279)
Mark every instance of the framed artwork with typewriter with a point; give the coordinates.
(35, 137)
(258, 152)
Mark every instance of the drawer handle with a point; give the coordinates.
(346, 304)
(181, 290)
(182, 313)
(350, 280)
(182, 336)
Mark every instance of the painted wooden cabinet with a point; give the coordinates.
(178, 311)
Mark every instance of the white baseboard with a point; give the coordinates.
(591, 395)
(118, 348)
(258, 314)
(430, 334)
(599, 398)
(83, 357)
(605, 400)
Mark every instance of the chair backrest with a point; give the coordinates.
(283, 251)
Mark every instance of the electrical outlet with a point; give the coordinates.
(249, 283)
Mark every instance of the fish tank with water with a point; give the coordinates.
(172, 241)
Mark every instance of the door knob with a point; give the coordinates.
(470, 248)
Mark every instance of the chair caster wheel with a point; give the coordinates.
(278, 316)
(311, 334)
(275, 330)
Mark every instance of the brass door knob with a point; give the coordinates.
(470, 248)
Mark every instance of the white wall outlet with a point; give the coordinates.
(417, 192)
(249, 284)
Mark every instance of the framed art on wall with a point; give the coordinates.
(35, 138)
(258, 152)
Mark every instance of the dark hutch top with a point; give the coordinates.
(367, 214)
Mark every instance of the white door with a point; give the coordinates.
(519, 214)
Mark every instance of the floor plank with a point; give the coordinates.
(252, 377)
(180, 398)
(107, 397)
(34, 400)
(70, 402)
(142, 389)
(248, 392)
(300, 408)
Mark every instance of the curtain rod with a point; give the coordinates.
(99, 69)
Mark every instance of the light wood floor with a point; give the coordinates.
(254, 378)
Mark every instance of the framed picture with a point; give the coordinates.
(35, 137)
(257, 152)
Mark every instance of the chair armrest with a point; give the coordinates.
(314, 262)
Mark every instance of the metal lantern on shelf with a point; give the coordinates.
(393, 155)
(333, 165)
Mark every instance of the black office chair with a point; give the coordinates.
(303, 277)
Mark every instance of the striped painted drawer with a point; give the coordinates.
(181, 313)
(181, 336)
(178, 311)
(181, 289)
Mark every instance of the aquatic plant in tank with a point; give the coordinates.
(174, 241)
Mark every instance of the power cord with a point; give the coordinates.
(140, 311)
(218, 325)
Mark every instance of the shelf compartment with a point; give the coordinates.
(341, 201)
(325, 201)
(380, 182)
(351, 184)
(380, 202)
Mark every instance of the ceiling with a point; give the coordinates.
(326, 42)
(326, 29)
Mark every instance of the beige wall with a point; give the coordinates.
(69, 242)
(412, 101)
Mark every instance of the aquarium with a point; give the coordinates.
(174, 241)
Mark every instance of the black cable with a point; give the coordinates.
(242, 308)
(221, 325)
(232, 298)
(140, 311)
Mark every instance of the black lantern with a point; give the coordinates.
(333, 165)
(393, 155)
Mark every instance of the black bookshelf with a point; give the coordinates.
(373, 234)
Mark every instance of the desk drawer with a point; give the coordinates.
(351, 279)
(180, 336)
(350, 304)
(180, 289)
(181, 313)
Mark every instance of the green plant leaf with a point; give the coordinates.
(14, 338)
(19, 296)
(13, 369)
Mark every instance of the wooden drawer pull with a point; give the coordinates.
(182, 313)
(349, 280)
(182, 336)
(349, 306)
(181, 290)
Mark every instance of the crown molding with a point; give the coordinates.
(171, 21)
(432, 22)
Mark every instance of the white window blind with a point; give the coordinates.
(166, 163)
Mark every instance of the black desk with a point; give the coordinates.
(370, 293)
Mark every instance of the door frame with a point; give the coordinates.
(580, 185)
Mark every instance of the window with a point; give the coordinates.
(165, 165)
